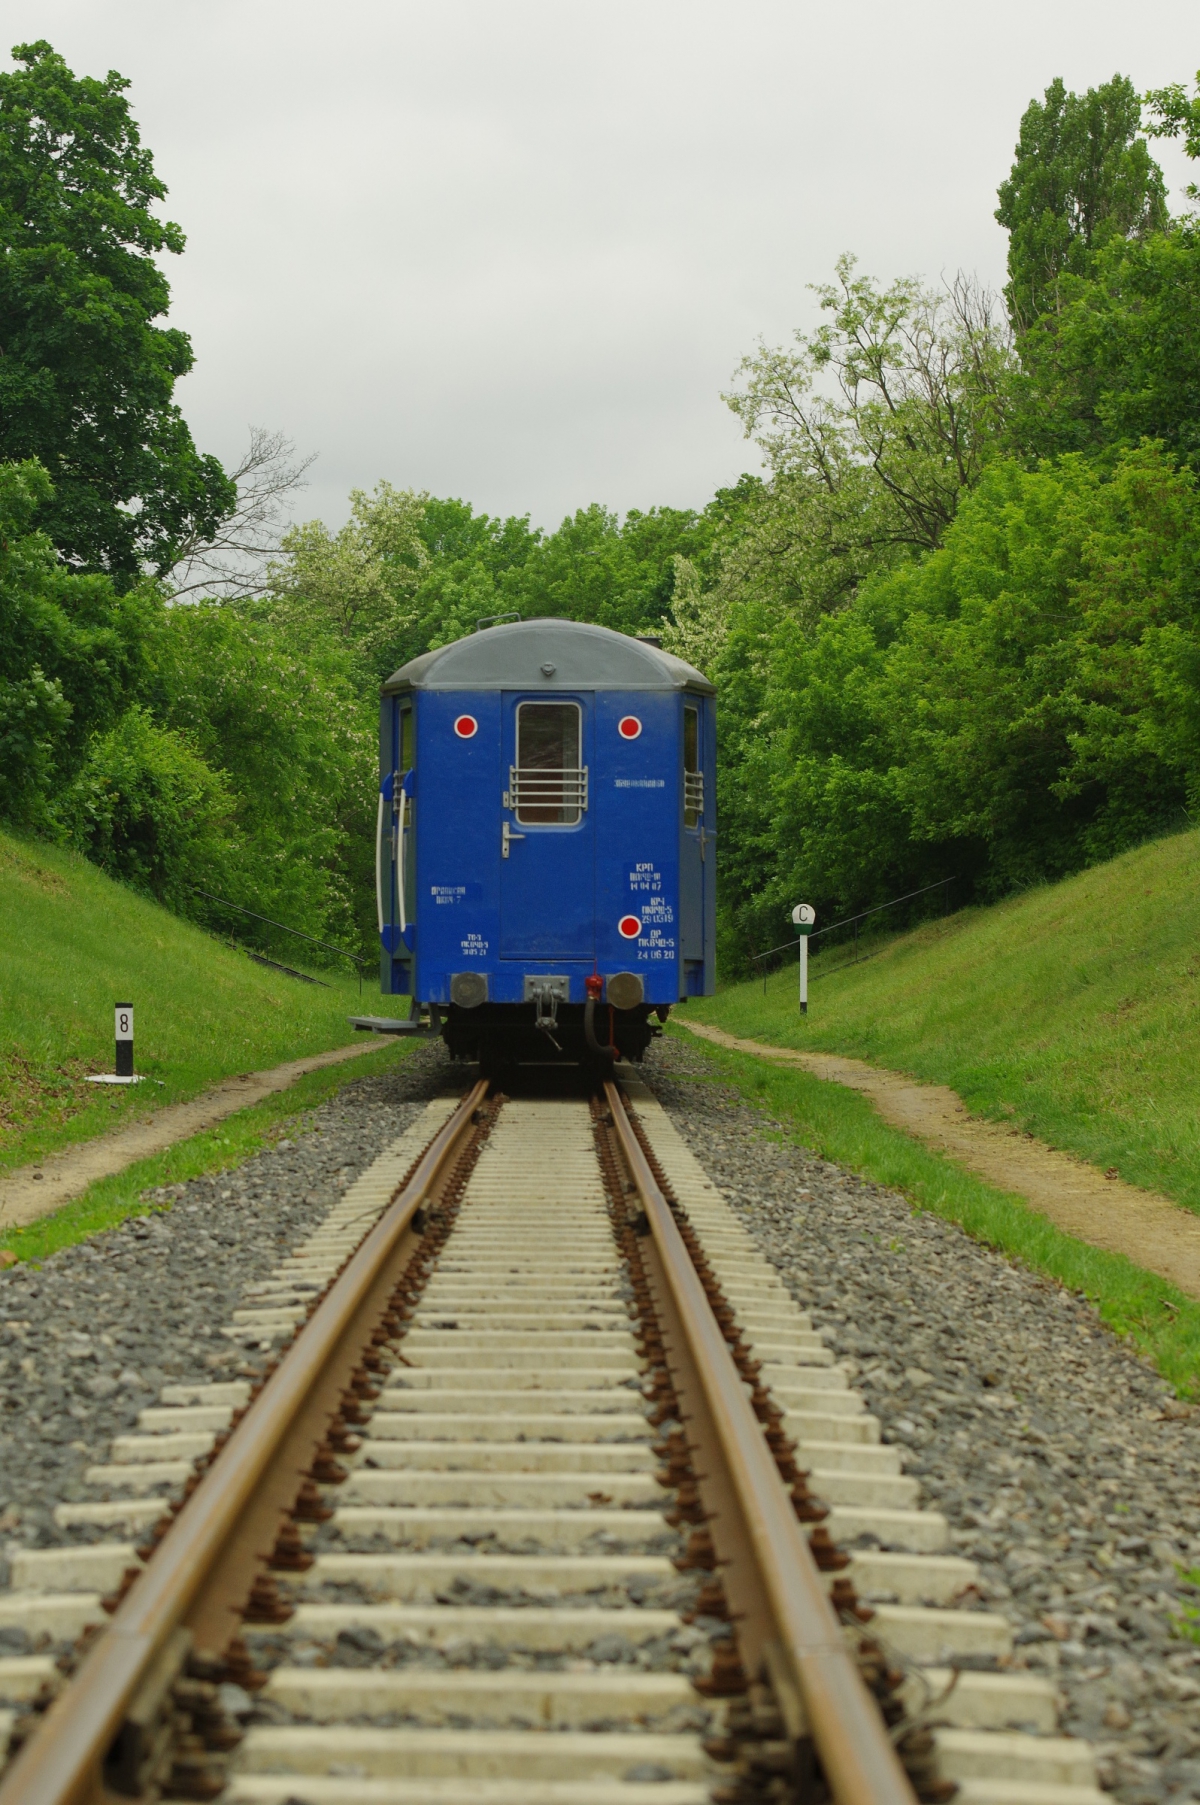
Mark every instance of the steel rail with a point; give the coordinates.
(856, 1753)
(62, 1762)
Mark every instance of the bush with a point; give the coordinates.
(147, 809)
(295, 731)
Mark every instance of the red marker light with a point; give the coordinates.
(629, 727)
(629, 927)
(466, 726)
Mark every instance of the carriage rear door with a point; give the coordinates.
(548, 842)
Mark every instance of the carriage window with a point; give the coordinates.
(548, 784)
(406, 739)
(693, 776)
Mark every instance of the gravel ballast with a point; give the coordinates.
(89, 1338)
(1064, 1464)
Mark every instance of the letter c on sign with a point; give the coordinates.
(466, 726)
(629, 927)
(629, 727)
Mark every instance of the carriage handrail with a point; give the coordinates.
(379, 862)
(401, 877)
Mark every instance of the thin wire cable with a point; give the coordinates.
(271, 922)
(847, 919)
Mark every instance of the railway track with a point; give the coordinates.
(553, 1497)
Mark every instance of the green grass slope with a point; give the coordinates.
(1071, 1011)
(72, 944)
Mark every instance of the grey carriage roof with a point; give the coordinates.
(584, 657)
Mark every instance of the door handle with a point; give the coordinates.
(507, 835)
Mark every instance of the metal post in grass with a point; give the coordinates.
(123, 1034)
(804, 918)
(123, 1025)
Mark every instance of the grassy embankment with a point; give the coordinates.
(72, 943)
(216, 1149)
(1072, 1012)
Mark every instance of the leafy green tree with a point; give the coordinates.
(1045, 619)
(205, 744)
(1080, 177)
(615, 573)
(697, 627)
(147, 809)
(359, 583)
(452, 531)
(72, 651)
(1119, 361)
(408, 572)
(873, 426)
(293, 728)
(473, 571)
(1018, 704)
(1174, 115)
(86, 377)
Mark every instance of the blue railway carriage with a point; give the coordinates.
(545, 862)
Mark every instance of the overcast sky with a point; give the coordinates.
(513, 250)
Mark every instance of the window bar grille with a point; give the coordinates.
(529, 787)
(693, 792)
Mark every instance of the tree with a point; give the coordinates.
(1080, 177)
(618, 574)
(235, 558)
(293, 729)
(472, 571)
(1110, 339)
(1119, 361)
(1173, 115)
(72, 651)
(409, 572)
(873, 425)
(358, 583)
(1015, 705)
(698, 625)
(86, 377)
(916, 377)
(147, 809)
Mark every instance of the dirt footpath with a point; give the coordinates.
(1156, 1234)
(33, 1191)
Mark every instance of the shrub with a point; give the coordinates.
(148, 809)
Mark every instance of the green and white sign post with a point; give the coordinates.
(804, 919)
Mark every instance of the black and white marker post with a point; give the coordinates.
(123, 1034)
(123, 1023)
(804, 918)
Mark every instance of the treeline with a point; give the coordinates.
(959, 630)
(229, 745)
(956, 627)
(186, 698)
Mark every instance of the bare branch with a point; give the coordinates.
(235, 560)
(906, 382)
